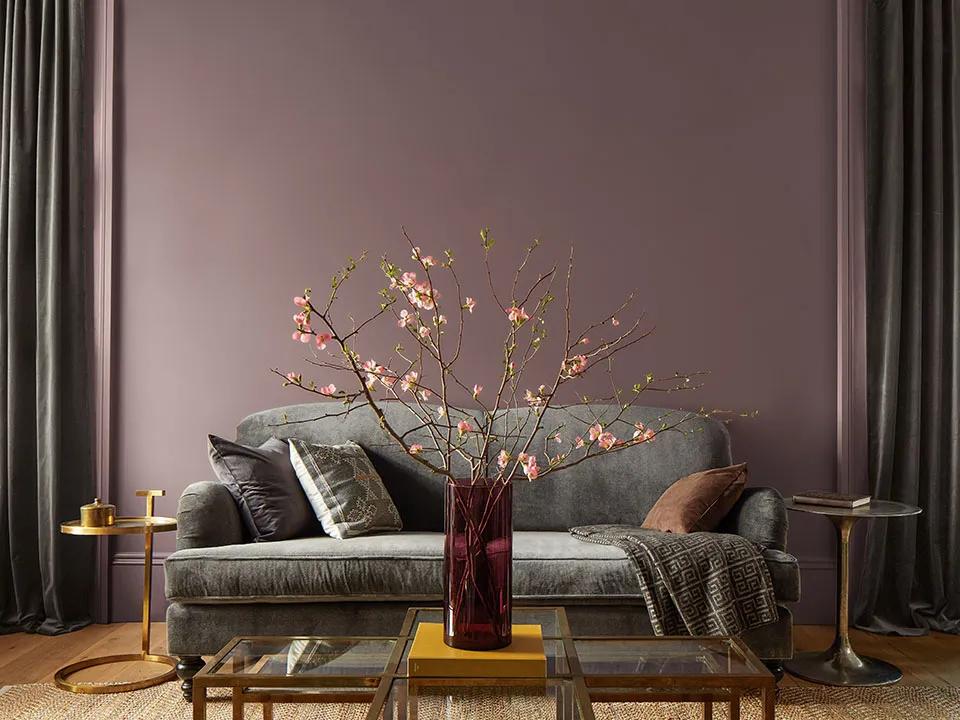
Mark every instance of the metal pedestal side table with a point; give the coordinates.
(840, 664)
(145, 525)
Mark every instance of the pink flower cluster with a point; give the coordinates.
(302, 321)
(421, 294)
(517, 316)
(643, 434)
(529, 465)
(574, 366)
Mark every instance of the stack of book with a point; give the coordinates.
(523, 658)
(831, 499)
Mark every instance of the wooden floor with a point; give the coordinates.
(931, 660)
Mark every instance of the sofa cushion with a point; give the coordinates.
(344, 489)
(699, 501)
(262, 482)
(549, 566)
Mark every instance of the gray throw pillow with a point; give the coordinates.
(265, 487)
(344, 489)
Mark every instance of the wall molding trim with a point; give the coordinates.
(136, 558)
(851, 283)
(102, 25)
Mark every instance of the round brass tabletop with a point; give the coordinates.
(130, 525)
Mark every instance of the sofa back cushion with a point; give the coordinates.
(620, 487)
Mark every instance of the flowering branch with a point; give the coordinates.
(427, 377)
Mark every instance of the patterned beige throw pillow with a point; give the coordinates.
(344, 489)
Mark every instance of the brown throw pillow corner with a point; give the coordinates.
(698, 502)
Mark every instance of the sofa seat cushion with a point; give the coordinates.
(551, 566)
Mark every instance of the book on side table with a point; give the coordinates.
(830, 499)
(522, 658)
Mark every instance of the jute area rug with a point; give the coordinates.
(46, 702)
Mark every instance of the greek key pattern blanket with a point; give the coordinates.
(696, 584)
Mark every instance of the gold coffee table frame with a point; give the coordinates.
(145, 525)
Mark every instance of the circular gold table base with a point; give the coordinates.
(114, 687)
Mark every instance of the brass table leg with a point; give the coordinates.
(840, 664)
(735, 707)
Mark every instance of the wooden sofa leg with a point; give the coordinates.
(187, 667)
(775, 667)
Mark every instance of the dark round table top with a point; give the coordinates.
(874, 509)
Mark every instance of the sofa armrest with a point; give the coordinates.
(759, 515)
(207, 515)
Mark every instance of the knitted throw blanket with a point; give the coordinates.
(696, 584)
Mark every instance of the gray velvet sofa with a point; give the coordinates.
(219, 584)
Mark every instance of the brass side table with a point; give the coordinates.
(840, 664)
(145, 525)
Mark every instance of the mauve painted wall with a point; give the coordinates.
(686, 148)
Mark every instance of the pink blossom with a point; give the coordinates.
(296, 335)
(323, 339)
(470, 304)
(517, 315)
(423, 296)
(408, 280)
(440, 320)
(578, 442)
(648, 435)
(300, 318)
(477, 389)
(532, 400)
(425, 394)
(416, 449)
(557, 438)
(409, 381)
(388, 380)
(530, 468)
(441, 411)
(406, 317)
(595, 431)
(301, 301)
(327, 389)
(373, 373)
(428, 261)
(294, 377)
(464, 427)
(304, 337)
(575, 365)
(639, 429)
(424, 331)
(585, 341)
(614, 322)
(503, 459)
(606, 440)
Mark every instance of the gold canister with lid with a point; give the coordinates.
(98, 514)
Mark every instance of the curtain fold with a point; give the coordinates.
(46, 428)
(911, 581)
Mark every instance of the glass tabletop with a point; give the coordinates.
(545, 700)
(657, 656)
(306, 656)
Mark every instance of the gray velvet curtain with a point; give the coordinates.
(45, 384)
(911, 581)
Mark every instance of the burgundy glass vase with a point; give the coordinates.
(478, 564)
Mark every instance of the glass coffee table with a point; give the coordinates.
(372, 672)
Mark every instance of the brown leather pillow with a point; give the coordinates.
(698, 502)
